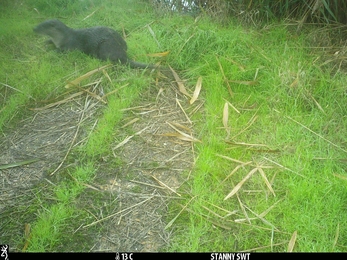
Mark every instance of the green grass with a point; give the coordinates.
(310, 199)
(53, 219)
(296, 111)
(34, 76)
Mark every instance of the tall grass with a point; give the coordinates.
(317, 11)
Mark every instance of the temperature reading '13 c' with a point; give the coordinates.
(124, 256)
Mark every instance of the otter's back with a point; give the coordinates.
(101, 42)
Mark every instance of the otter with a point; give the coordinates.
(101, 42)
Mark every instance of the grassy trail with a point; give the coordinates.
(270, 171)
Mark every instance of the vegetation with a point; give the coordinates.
(279, 105)
(270, 171)
(317, 11)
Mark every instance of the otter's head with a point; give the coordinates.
(54, 29)
(51, 28)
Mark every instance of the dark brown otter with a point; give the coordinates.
(101, 42)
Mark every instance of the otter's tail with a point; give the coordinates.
(139, 65)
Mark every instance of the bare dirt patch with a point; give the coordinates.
(41, 142)
(45, 136)
(151, 172)
(133, 186)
